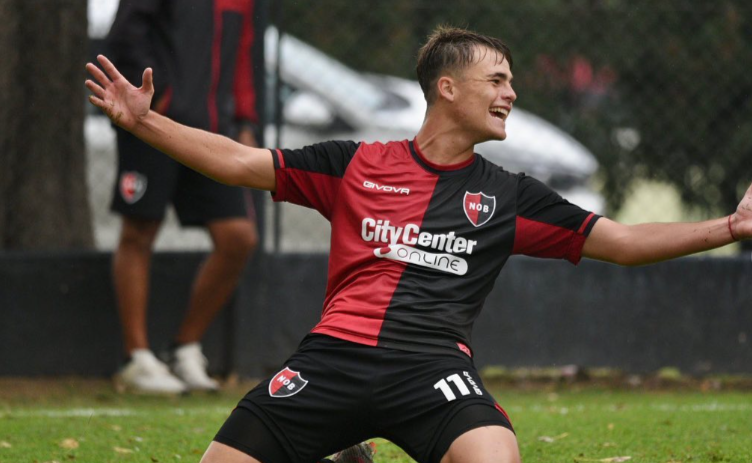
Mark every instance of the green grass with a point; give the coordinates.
(42, 421)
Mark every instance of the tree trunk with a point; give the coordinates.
(43, 173)
(8, 105)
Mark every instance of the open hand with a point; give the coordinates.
(123, 103)
(741, 221)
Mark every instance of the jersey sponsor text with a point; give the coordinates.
(382, 231)
(443, 262)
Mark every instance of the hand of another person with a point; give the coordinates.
(740, 223)
(123, 103)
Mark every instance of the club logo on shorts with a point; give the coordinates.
(132, 186)
(479, 207)
(286, 383)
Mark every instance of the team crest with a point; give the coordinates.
(479, 207)
(286, 383)
(132, 186)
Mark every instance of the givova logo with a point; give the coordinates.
(387, 188)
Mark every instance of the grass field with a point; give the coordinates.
(73, 420)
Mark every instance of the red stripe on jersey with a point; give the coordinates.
(361, 284)
(245, 95)
(216, 66)
(164, 101)
(232, 5)
(220, 6)
(538, 239)
(585, 223)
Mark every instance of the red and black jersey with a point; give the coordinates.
(200, 51)
(417, 247)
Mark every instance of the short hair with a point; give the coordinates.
(452, 49)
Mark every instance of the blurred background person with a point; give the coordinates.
(201, 49)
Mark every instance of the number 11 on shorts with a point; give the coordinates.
(459, 383)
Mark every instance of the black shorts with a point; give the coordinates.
(332, 394)
(149, 180)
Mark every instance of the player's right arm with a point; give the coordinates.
(213, 155)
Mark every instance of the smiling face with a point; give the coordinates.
(483, 96)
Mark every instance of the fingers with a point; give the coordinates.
(99, 103)
(97, 73)
(97, 99)
(95, 89)
(148, 81)
(109, 68)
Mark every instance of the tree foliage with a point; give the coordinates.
(657, 90)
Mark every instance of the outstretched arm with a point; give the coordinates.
(654, 242)
(213, 155)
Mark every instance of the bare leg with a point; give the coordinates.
(489, 444)
(130, 270)
(234, 241)
(221, 453)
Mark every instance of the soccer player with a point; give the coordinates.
(202, 51)
(420, 231)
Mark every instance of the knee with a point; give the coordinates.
(138, 235)
(484, 444)
(247, 242)
(237, 243)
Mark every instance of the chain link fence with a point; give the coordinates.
(641, 110)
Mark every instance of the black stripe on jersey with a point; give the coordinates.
(328, 158)
(431, 311)
(536, 201)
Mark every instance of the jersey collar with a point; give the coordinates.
(420, 158)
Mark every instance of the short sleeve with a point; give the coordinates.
(311, 176)
(547, 225)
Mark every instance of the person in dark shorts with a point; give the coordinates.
(420, 231)
(202, 51)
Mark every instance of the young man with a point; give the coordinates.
(420, 231)
(202, 52)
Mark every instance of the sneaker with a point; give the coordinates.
(144, 373)
(361, 453)
(189, 364)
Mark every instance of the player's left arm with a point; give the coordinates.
(654, 242)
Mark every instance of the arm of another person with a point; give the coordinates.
(215, 156)
(654, 242)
